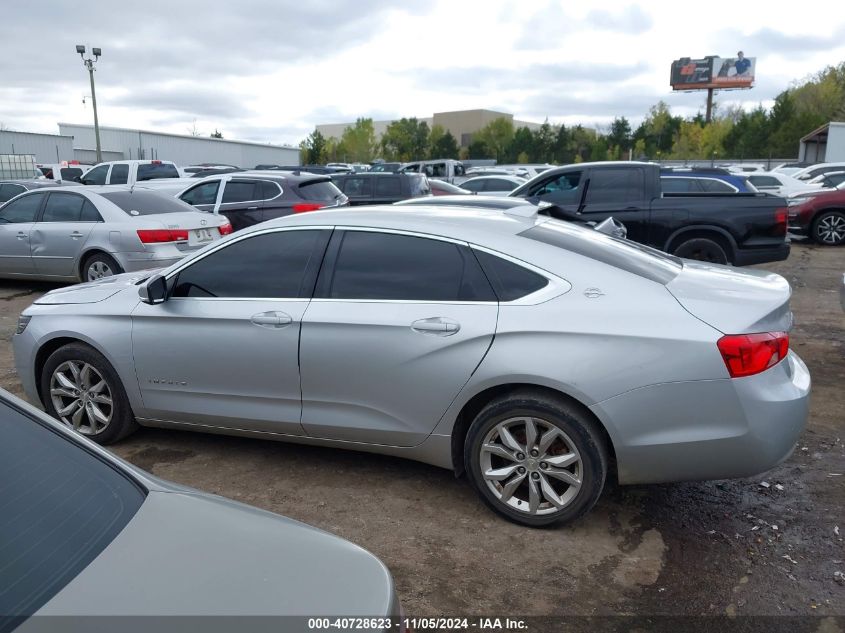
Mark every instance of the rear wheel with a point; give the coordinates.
(829, 228)
(703, 249)
(99, 265)
(536, 460)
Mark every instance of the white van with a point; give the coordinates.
(445, 169)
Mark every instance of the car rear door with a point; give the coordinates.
(16, 221)
(222, 351)
(60, 233)
(397, 326)
(241, 202)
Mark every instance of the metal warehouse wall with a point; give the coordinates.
(47, 148)
(183, 150)
(835, 143)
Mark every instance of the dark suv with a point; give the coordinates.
(381, 187)
(252, 197)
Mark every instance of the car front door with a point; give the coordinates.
(241, 202)
(618, 192)
(398, 324)
(16, 221)
(222, 351)
(564, 190)
(61, 231)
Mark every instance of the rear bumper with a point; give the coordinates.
(708, 429)
(133, 262)
(746, 257)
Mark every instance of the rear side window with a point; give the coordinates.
(358, 186)
(119, 174)
(63, 207)
(389, 267)
(388, 186)
(510, 281)
(145, 202)
(499, 184)
(319, 190)
(60, 506)
(626, 255)
(611, 185)
(151, 171)
(239, 191)
(268, 266)
(714, 185)
(679, 185)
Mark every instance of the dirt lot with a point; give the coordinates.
(716, 548)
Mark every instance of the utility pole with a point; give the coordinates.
(707, 118)
(89, 64)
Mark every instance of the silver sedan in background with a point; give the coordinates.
(86, 233)
(529, 353)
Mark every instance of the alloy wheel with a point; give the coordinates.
(98, 270)
(81, 397)
(531, 465)
(831, 230)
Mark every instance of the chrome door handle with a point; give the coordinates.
(76, 234)
(22, 236)
(251, 208)
(439, 326)
(271, 319)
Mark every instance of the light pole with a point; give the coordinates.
(89, 64)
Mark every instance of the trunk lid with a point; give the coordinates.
(734, 301)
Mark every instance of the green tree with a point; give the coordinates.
(478, 149)
(405, 140)
(313, 149)
(523, 143)
(359, 141)
(582, 141)
(544, 143)
(620, 134)
(441, 143)
(564, 151)
(216, 134)
(497, 136)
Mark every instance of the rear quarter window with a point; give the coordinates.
(320, 190)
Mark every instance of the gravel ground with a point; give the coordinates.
(716, 548)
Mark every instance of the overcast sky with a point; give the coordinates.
(271, 70)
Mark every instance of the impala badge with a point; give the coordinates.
(593, 293)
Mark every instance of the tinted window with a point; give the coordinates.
(269, 190)
(319, 190)
(150, 171)
(499, 184)
(60, 506)
(90, 213)
(23, 209)
(615, 185)
(713, 185)
(119, 174)
(625, 255)
(206, 193)
(764, 181)
(473, 185)
(96, 176)
(144, 202)
(269, 266)
(511, 281)
(358, 186)
(563, 188)
(239, 191)
(401, 267)
(7, 192)
(835, 179)
(388, 186)
(679, 185)
(71, 173)
(63, 207)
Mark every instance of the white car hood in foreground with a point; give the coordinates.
(94, 291)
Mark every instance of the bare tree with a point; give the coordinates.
(193, 131)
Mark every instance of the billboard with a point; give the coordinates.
(713, 72)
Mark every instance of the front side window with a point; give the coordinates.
(563, 188)
(119, 174)
(390, 267)
(63, 207)
(205, 193)
(24, 209)
(71, 173)
(96, 176)
(268, 266)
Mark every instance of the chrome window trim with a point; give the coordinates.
(557, 285)
(281, 191)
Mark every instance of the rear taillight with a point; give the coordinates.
(781, 216)
(225, 229)
(302, 207)
(159, 236)
(749, 354)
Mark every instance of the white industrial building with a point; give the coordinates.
(824, 145)
(47, 148)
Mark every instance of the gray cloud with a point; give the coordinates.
(186, 98)
(554, 23)
(768, 40)
(632, 20)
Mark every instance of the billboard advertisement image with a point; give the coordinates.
(713, 72)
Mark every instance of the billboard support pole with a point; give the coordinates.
(709, 116)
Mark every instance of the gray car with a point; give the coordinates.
(85, 233)
(529, 353)
(84, 534)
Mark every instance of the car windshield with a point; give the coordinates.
(60, 506)
(152, 171)
(137, 202)
(626, 255)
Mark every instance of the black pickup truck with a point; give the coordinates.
(735, 228)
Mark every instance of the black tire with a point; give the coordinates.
(105, 261)
(703, 249)
(580, 430)
(122, 420)
(829, 228)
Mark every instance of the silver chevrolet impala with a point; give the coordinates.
(531, 354)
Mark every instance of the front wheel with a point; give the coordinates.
(829, 228)
(536, 460)
(81, 389)
(702, 249)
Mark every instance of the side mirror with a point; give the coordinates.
(154, 290)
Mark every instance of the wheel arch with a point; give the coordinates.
(85, 254)
(715, 233)
(476, 403)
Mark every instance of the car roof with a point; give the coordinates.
(30, 184)
(456, 222)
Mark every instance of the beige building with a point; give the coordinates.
(461, 123)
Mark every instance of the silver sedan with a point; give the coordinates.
(528, 353)
(86, 233)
